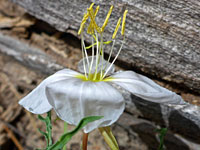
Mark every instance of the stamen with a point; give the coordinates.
(91, 64)
(91, 14)
(124, 22)
(94, 37)
(114, 59)
(113, 37)
(83, 59)
(91, 26)
(93, 29)
(91, 5)
(116, 28)
(107, 18)
(110, 54)
(88, 47)
(86, 55)
(107, 42)
(96, 11)
(97, 53)
(85, 17)
(102, 54)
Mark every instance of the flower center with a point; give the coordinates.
(92, 79)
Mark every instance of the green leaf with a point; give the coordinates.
(49, 127)
(45, 135)
(41, 118)
(162, 133)
(48, 132)
(67, 136)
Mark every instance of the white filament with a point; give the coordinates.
(91, 64)
(97, 53)
(114, 59)
(85, 51)
(110, 54)
(102, 54)
(82, 48)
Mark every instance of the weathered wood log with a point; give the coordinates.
(29, 56)
(182, 120)
(162, 36)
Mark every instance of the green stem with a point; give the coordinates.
(162, 133)
(48, 133)
(65, 131)
(49, 128)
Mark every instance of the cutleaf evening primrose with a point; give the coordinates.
(90, 92)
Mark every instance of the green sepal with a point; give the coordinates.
(109, 138)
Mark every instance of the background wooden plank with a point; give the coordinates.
(163, 37)
(179, 119)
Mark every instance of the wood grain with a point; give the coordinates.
(179, 119)
(163, 37)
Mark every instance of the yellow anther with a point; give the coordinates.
(91, 26)
(90, 29)
(85, 17)
(107, 18)
(116, 28)
(92, 17)
(123, 22)
(91, 5)
(96, 11)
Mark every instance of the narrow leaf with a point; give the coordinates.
(45, 135)
(162, 133)
(66, 137)
(48, 133)
(41, 118)
(49, 127)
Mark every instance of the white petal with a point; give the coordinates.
(75, 99)
(145, 88)
(102, 64)
(36, 101)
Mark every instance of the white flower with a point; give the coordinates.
(74, 95)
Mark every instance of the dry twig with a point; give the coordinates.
(13, 138)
